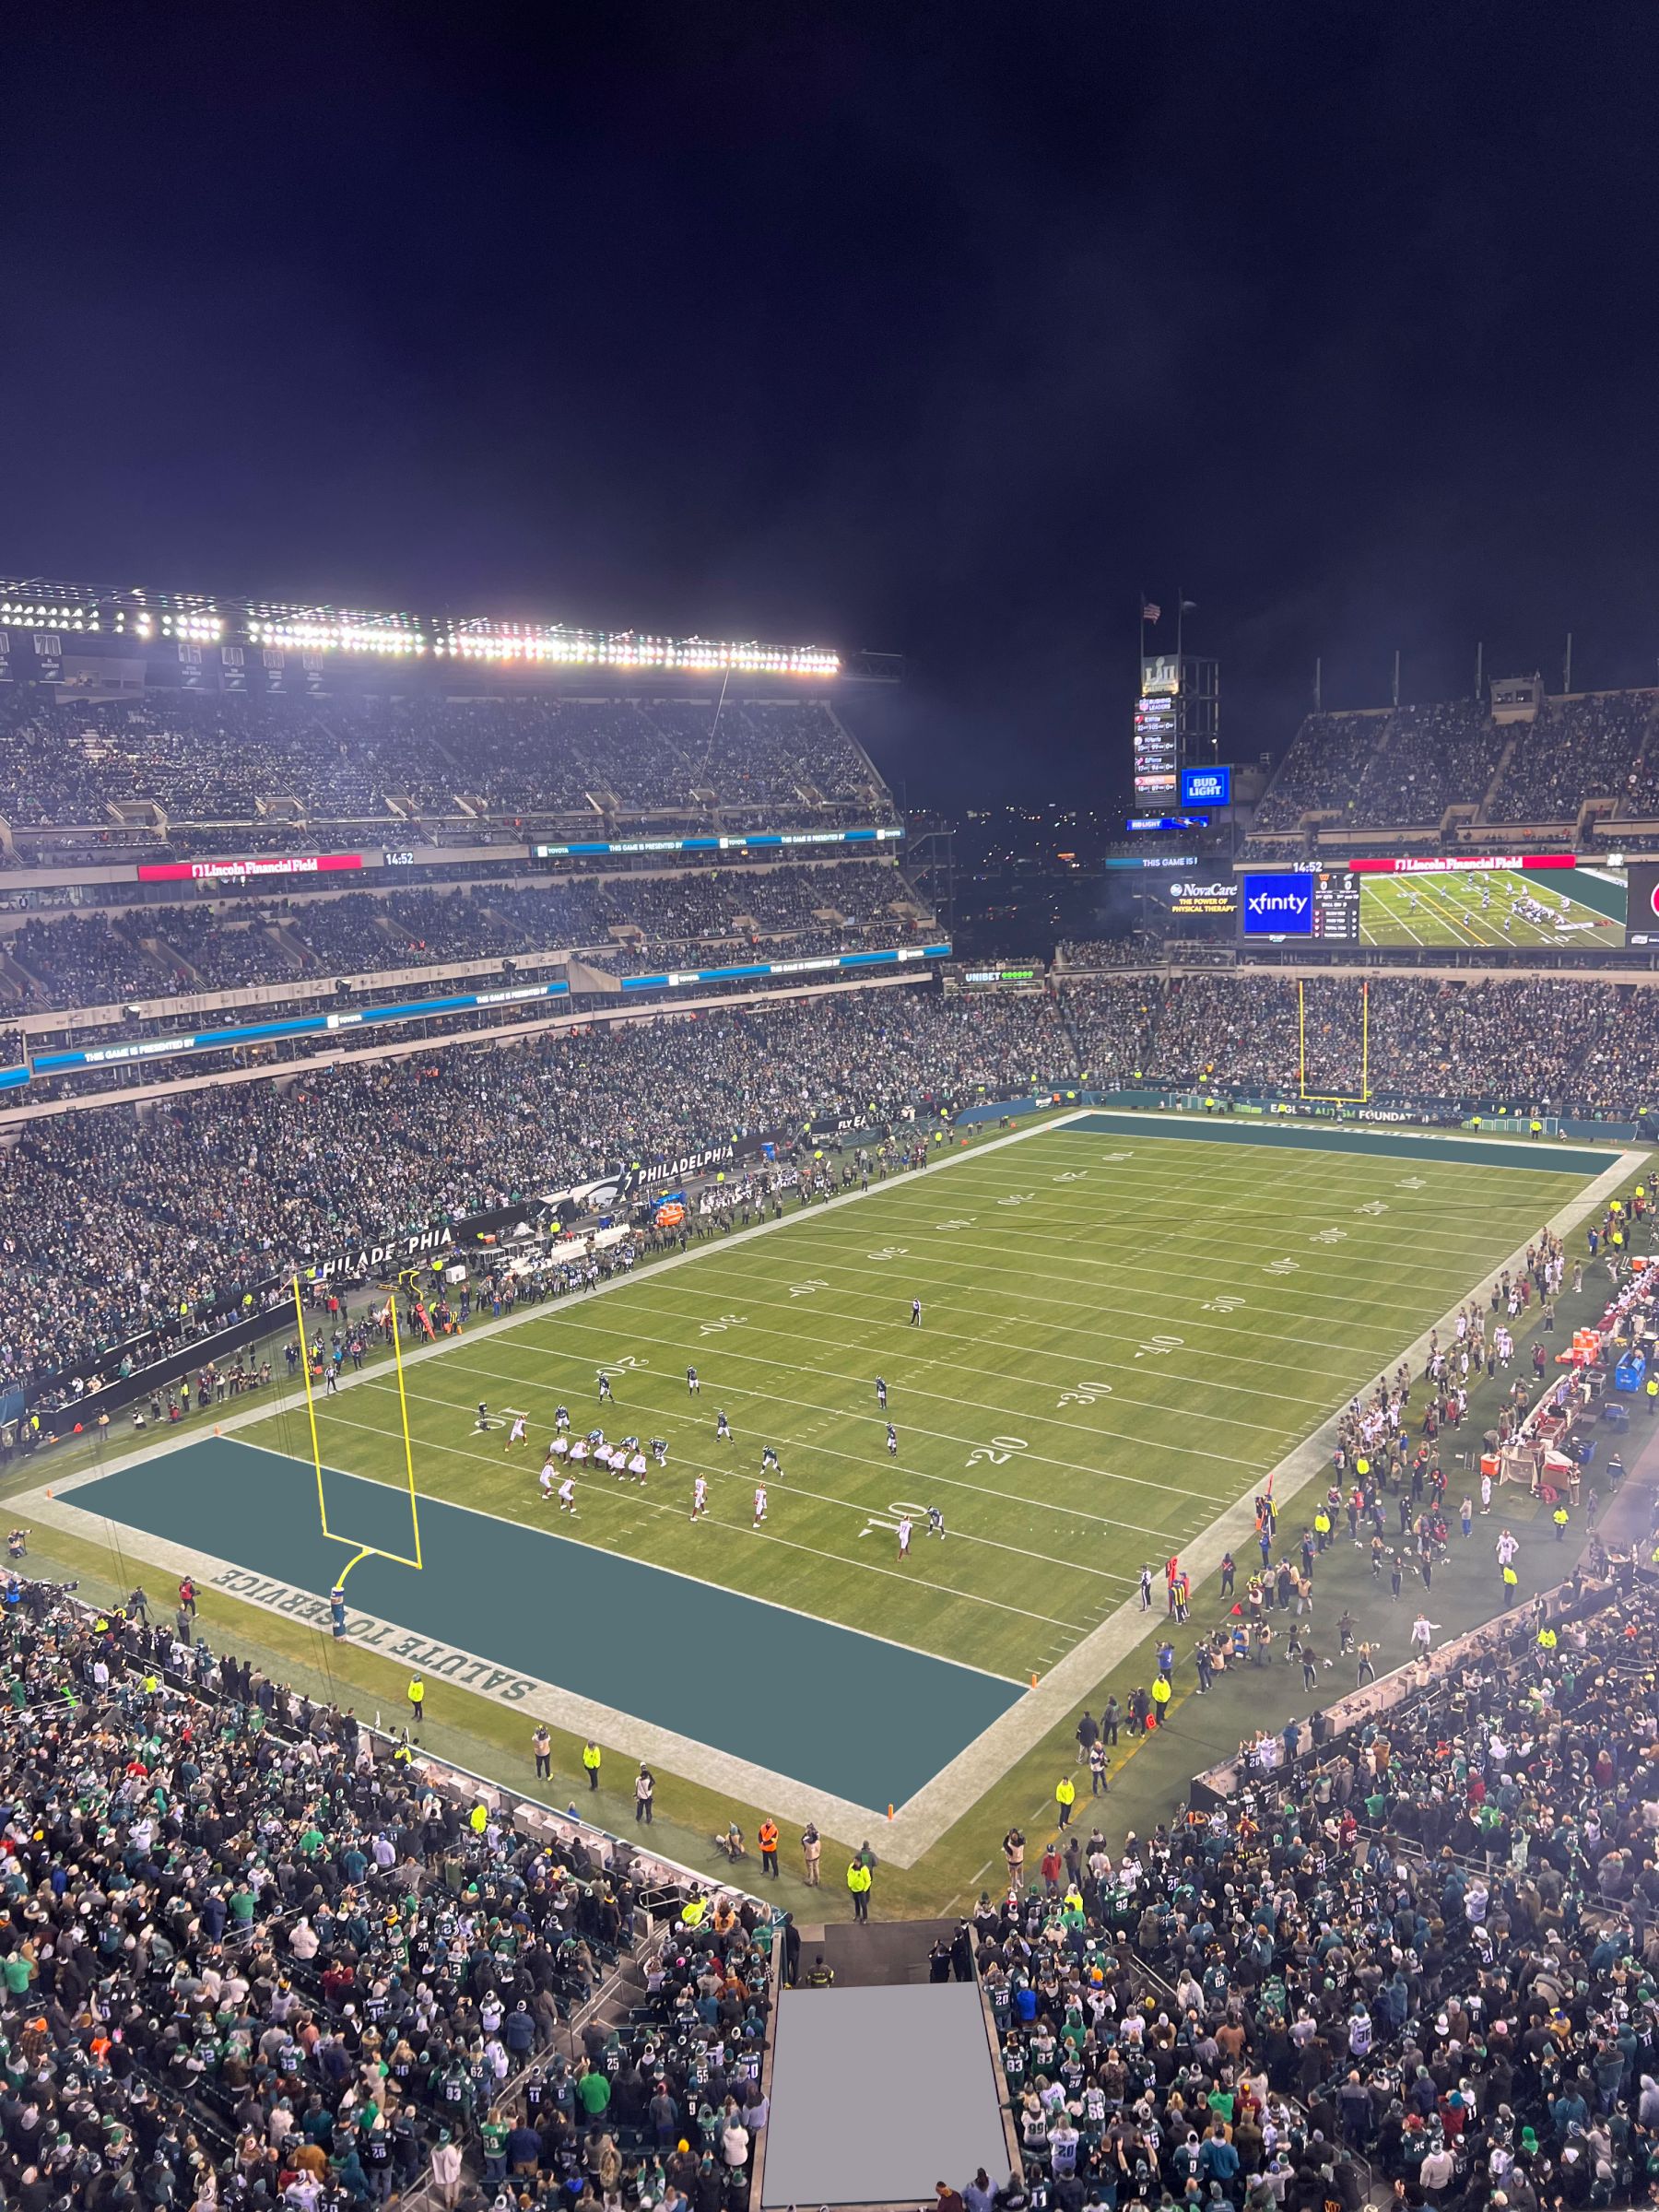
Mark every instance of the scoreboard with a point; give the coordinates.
(1337, 906)
(1156, 749)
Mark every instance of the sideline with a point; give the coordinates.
(939, 1804)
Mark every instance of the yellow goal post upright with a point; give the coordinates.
(1334, 1098)
(359, 1549)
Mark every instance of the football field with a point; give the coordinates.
(1125, 1323)
(1499, 907)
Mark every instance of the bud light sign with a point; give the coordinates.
(1277, 906)
(1206, 786)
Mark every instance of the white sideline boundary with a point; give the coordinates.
(939, 1804)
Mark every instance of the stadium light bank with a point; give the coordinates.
(144, 616)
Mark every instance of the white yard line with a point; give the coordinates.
(1230, 1459)
(600, 1481)
(953, 1792)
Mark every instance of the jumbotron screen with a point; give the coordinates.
(1516, 903)
(1512, 903)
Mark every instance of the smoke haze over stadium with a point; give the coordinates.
(940, 330)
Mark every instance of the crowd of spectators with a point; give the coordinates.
(115, 1217)
(1577, 749)
(82, 961)
(208, 951)
(1562, 1046)
(772, 900)
(1420, 1955)
(1428, 758)
(212, 760)
(365, 930)
(253, 1954)
(1322, 770)
(1403, 769)
(151, 951)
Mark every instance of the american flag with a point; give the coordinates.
(1149, 613)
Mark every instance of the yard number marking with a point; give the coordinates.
(901, 1509)
(998, 1452)
(1085, 1393)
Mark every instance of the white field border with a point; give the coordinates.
(936, 1807)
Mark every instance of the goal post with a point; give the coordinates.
(359, 1549)
(1333, 1097)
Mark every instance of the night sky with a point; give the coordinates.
(941, 329)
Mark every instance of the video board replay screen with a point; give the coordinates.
(1509, 903)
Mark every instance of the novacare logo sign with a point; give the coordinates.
(1279, 906)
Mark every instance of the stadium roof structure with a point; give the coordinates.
(144, 616)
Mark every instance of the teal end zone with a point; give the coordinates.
(834, 1709)
(1451, 1150)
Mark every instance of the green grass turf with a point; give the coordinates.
(1447, 909)
(1119, 1335)
(1149, 1777)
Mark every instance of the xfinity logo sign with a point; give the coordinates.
(1279, 906)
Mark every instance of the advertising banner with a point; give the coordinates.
(224, 871)
(1279, 905)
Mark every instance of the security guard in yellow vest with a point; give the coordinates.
(417, 1697)
(1547, 1640)
(480, 1819)
(1651, 1388)
(590, 1760)
(858, 1882)
(1066, 1797)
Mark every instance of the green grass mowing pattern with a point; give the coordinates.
(1447, 909)
(1119, 1335)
